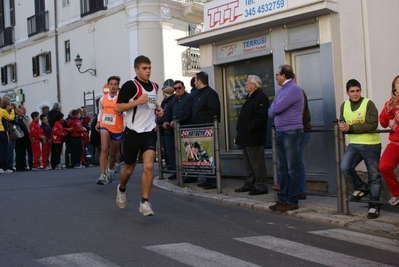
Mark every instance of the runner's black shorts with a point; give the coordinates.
(134, 142)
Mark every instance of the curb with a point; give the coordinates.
(356, 221)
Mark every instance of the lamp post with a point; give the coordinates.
(78, 63)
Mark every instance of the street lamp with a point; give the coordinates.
(78, 63)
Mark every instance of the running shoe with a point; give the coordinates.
(102, 179)
(394, 201)
(145, 208)
(111, 176)
(116, 168)
(120, 198)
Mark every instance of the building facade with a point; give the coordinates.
(40, 39)
(327, 42)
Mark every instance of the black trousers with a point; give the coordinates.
(56, 149)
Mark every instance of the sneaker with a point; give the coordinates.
(358, 194)
(394, 201)
(79, 166)
(1, 171)
(47, 168)
(120, 198)
(145, 209)
(111, 176)
(116, 168)
(102, 179)
(8, 171)
(36, 169)
(373, 213)
(58, 167)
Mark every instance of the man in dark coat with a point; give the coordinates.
(251, 135)
(206, 106)
(56, 108)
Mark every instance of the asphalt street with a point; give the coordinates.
(62, 218)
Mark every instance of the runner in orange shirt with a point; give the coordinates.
(110, 126)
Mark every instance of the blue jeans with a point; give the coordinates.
(353, 155)
(302, 171)
(287, 151)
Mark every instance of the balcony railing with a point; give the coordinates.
(191, 61)
(6, 36)
(194, 29)
(90, 7)
(38, 23)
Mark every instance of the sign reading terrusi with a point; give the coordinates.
(247, 46)
(197, 150)
(220, 13)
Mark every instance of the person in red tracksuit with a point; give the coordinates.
(36, 135)
(389, 117)
(57, 133)
(76, 138)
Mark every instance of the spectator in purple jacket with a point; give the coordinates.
(287, 109)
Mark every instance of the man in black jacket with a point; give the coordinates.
(51, 115)
(251, 135)
(206, 106)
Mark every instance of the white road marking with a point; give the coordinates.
(361, 239)
(85, 259)
(197, 256)
(309, 253)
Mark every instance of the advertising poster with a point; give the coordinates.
(197, 149)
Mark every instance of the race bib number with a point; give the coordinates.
(152, 102)
(109, 119)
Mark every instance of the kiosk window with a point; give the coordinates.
(235, 77)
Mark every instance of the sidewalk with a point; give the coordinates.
(315, 207)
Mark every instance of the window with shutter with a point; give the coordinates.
(48, 62)
(14, 72)
(3, 75)
(35, 66)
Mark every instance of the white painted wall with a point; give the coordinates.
(107, 41)
(369, 44)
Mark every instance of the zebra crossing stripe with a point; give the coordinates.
(85, 259)
(360, 239)
(197, 256)
(308, 253)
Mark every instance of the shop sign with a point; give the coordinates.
(221, 13)
(239, 48)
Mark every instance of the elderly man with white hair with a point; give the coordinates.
(251, 136)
